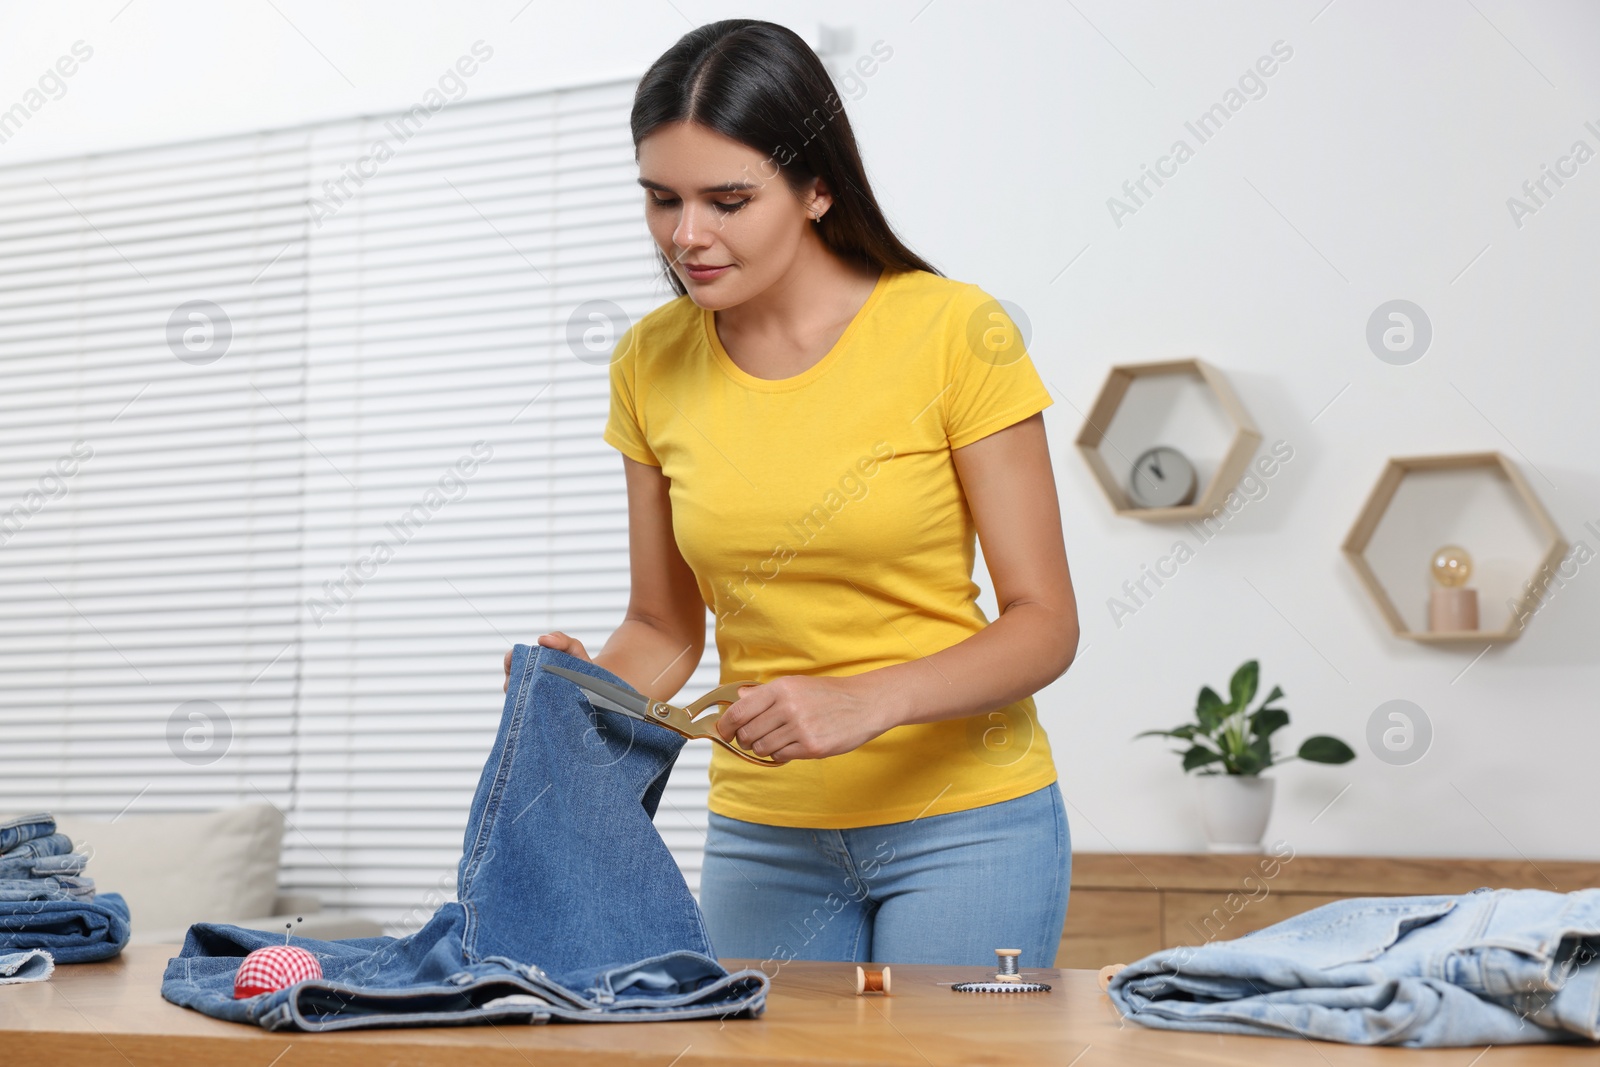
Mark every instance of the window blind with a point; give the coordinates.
(297, 436)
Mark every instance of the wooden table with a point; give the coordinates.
(112, 1013)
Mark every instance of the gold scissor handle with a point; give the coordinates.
(689, 722)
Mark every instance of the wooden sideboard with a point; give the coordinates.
(1124, 906)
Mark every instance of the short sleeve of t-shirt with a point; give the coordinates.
(623, 429)
(992, 380)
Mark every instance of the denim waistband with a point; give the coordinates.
(23, 828)
(51, 844)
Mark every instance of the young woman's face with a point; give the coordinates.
(711, 201)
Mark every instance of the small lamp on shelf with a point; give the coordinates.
(1451, 605)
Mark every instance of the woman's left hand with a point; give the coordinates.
(803, 717)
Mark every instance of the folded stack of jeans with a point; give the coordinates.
(1489, 967)
(47, 903)
(43, 868)
(37, 863)
(569, 905)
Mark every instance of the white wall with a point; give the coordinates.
(1376, 166)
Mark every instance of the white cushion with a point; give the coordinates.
(179, 868)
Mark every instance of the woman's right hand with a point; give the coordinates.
(556, 640)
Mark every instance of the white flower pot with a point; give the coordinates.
(1235, 809)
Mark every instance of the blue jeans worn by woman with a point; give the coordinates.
(946, 888)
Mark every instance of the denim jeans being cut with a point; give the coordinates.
(569, 905)
(1489, 967)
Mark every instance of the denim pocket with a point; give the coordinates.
(666, 977)
(1531, 941)
(1535, 922)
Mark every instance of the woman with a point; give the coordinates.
(812, 434)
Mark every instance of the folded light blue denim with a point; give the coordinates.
(1493, 966)
(29, 965)
(14, 832)
(47, 887)
(74, 931)
(569, 905)
(52, 844)
(42, 866)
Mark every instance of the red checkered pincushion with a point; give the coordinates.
(274, 967)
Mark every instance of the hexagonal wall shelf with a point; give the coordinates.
(1162, 402)
(1477, 500)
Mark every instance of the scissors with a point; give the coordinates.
(602, 693)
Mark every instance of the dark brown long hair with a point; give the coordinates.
(760, 84)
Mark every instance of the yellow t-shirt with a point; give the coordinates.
(829, 534)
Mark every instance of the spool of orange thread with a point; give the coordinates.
(872, 981)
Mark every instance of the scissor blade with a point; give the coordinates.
(602, 693)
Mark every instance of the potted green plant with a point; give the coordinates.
(1228, 746)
